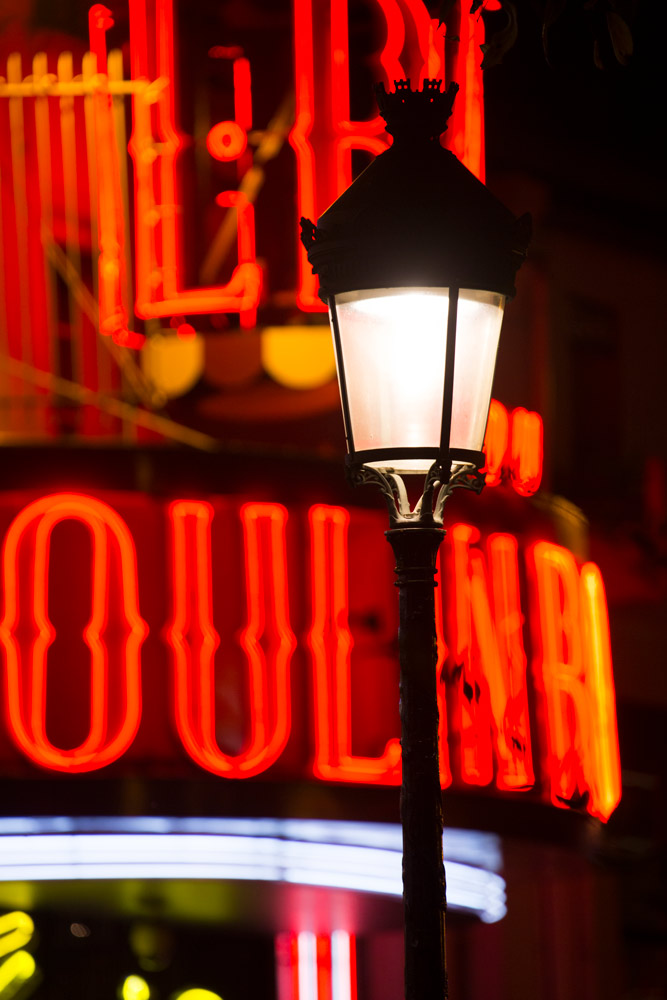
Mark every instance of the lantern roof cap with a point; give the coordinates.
(416, 216)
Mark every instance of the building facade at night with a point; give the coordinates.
(199, 746)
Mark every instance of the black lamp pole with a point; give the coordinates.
(417, 221)
(415, 536)
(424, 887)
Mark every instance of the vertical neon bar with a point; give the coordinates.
(323, 954)
(343, 966)
(69, 164)
(45, 348)
(158, 238)
(509, 696)
(307, 958)
(600, 684)
(496, 443)
(560, 674)
(330, 642)
(527, 451)
(443, 653)
(473, 721)
(19, 258)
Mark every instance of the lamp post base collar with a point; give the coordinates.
(429, 509)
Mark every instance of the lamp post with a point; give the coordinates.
(416, 260)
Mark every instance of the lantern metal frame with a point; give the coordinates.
(442, 455)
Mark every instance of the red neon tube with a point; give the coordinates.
(330, 642)
(26, 551)
(267, 639)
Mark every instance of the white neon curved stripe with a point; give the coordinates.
(299, 852)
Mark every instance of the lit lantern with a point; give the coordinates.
(416, 261)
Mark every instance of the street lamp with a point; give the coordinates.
(416, 260)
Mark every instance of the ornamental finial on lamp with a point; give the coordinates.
(416, 114)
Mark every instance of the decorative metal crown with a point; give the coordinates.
(416, 114)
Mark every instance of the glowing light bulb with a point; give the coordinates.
(197, 994)
(135, 988)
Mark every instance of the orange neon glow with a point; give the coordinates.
(507, 688)
(323, 958)
(527, 451)
(496, 442)
(100, 19)
(472, 721)
(330, 642)
(155, 151)
(226, 141)
(26, 554)
(489, 662)
(513, 446)
(113, 310)
(249, 290)
(443, 653)
(465, 135)
(600, 685)
(193, 639)
(560, 672)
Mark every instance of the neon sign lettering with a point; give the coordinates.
(514, 448)
(194, 640)
(484, 684)
(570, 631)
(330, 641)
(323, 136)
(25, 566)
(489, 663)
(154, 146)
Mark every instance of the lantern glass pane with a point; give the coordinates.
(480, 316)
(393, 345)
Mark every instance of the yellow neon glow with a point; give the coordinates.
(197, 994)
(298, 357)
(16, 929)
(14, 972)
(135, 988)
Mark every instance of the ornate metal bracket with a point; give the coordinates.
(429, 509)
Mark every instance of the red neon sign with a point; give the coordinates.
(194, 640)
(25, 561)
(234, 592)
(514, 448)
(572, 669)
(155, 146)
(323, 136)
(330, 642)
(488, 673)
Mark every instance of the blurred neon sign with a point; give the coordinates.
(235, 586)
(323, 136)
